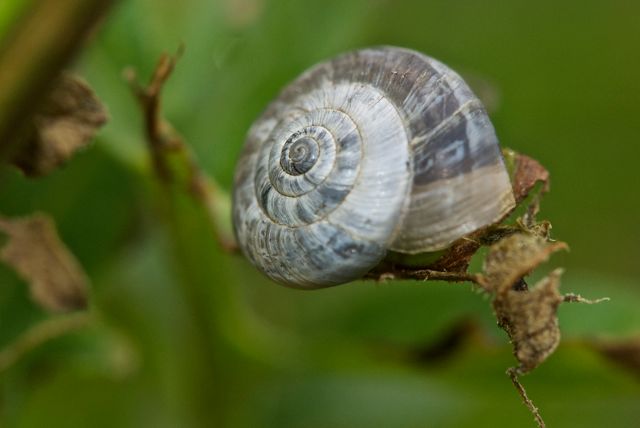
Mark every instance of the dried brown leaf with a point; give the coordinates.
(529, 316)
(514, 257)
(528, 172)
(66, 122)
(56, 279)
(530, 319)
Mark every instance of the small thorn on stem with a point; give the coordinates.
(576, 298)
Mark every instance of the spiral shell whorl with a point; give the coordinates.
(351, 159)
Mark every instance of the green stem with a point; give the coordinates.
(41, 333)
(32, 54)
(223, 346)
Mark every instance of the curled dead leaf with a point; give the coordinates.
(528, 315)
(528, 172)
(530, 319)
(56, 280)
(66, 122)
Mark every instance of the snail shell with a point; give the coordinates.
(376, 150)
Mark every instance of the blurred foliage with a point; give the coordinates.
(189, 336)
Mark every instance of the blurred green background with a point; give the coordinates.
(188, 336)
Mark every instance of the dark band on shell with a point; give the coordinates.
(376, 150)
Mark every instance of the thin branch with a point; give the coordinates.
(173, 162)
(426, 275)
(158, 136)
(192, 199)
(513, 375)
(41, 333)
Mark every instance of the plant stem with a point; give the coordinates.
(32, 54)
(41, 333)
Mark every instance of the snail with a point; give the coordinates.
(376, 151)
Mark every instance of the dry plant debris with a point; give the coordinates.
(66, 122)
(516, 248)
(34, 250)
(527, 315)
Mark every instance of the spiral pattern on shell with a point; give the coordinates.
(376, 150)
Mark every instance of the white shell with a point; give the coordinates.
(378, 149)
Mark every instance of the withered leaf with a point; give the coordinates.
(528, 172)
(56, 280)
(67, 121)
(515, 256)
(530, 319)
(529, 316)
